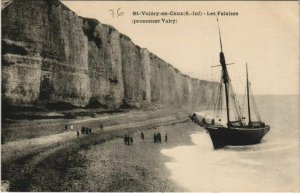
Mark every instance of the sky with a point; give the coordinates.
(264, 34)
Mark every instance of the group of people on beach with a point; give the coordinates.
(157, 138)
(128, 140)
(84, 130)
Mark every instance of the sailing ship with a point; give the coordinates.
(236, 131)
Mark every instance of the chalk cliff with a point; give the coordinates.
(50, 55)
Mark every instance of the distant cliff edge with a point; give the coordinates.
(52, 56)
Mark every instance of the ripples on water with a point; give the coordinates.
(272, 165)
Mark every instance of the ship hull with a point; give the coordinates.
(222, 136)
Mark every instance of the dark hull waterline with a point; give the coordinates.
(222, 136)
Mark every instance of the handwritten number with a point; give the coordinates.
(118, 12)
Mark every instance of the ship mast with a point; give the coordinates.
(249, 112)
(225, 75)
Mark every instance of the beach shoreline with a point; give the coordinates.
(63, 162)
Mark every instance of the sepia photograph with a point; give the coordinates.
(150, 96)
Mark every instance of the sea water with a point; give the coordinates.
(272, 165)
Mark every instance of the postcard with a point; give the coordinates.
(150, 96)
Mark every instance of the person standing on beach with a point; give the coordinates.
(158, 137)
(131, 140)
(77, 133)
(66, 128)
(142, 136)
(128, 142)
(166, 138)
(71, 127)
(126, 139)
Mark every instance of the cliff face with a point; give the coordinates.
(104, 63)
(45, 54)
(50, 55)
